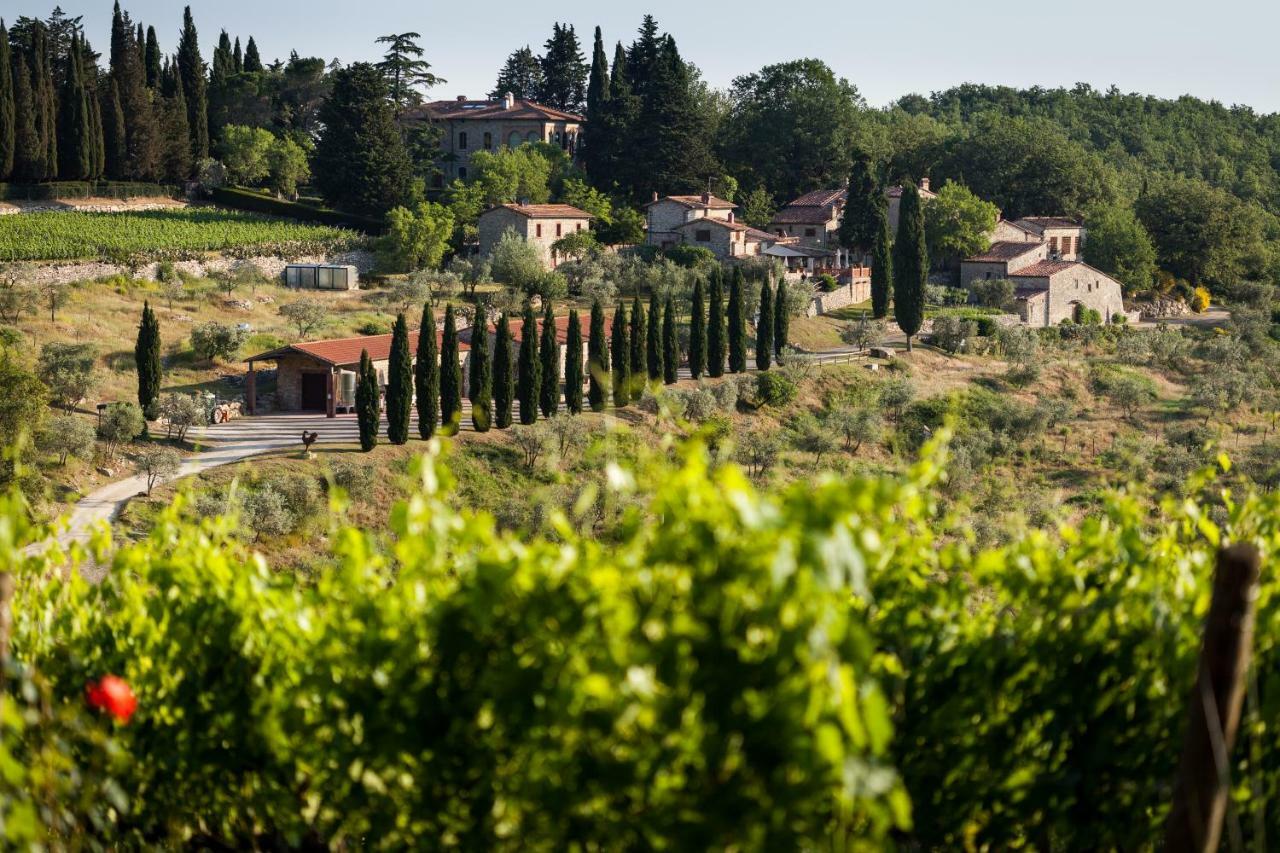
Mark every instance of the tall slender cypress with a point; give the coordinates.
(152, 59)
(450, 376)
(528, 380)
(573, 365)
(715, 326)
(27, 153)
(426, 375)
(636, 342)
(368, 403)
(481, 375)
(8, 116)
(115, 146)
(781, 318)
(621, 355)
(237, 57)
(75, 147)
(764, 328)
(399, 384)
(653, 353)
(698, 332)
(910, 264)
(46, 102)
(549, 374)
(252, 61)
(670, 344)
(192, 71)
(504, 380)
(864, 204)
(597, 361)
(881, 268)
(146, 358)
(597, 101)
(737, 323)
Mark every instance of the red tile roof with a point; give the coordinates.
(341, 352)
(1037, 224)
(696, 202)
(764, 236)
(1005, 251)
(820, 198)
(492, 110)
(703, 220)
(1044, 269)
(896, 192)
(544, 211)
(805, 214)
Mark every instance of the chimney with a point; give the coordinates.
(508, 101)
(655, 195)
(706, 198)
(462, 99)
(924, 184)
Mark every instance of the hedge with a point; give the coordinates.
(85, 189)
(249, 200)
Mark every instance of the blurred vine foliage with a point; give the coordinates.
(834, 666)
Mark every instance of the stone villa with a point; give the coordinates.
(471, 126)
(705, 221)
(539, 224)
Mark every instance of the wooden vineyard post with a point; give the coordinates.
(1204, 783)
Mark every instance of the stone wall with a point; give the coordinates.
(271, 266)
(856, 291)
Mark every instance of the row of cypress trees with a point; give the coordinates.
(642, 349)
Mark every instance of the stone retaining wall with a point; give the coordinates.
(856, 291)
(271, 266)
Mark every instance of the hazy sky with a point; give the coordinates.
(1224, 50)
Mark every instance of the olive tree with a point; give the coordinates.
(156, 465)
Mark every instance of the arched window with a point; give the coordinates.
(488, 141)
(533, 136)
(515, 139)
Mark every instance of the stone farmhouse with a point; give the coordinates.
(539, 224)
(471, 126)
(1065, 237)
(320, 376)
(705, 221)
(1048, 287)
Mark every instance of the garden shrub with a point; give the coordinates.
(775, 389)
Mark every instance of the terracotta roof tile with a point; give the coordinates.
(1005, 251)
(1043, 269)
(1037, 224)
(490, 110)
(544, 211)
(341, 352)
(696, 202)
(805, 214)
(821, 198)
(703, 221)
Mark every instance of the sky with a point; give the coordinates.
(1222, 50)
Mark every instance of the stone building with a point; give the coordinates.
(1048, 288)
(813, 221)
(894, 196)
(1064, 237)
(539, 224)
(470, 126)
(666, 215)
(320, 376)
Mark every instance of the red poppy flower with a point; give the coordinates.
(113, 695)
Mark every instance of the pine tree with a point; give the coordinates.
(764, 328)
(564, 71)
(426, 375)
(573, 365)
(153, 58)
(715, 326)
(115, 146)
(504, 381)
(881, 267)
(368, 403)
(642, 58)
(621, 357)
(521, 76)
(670, 344)
(549, 375)
(481, 375)
(146, 358)
(910, 264)
(399, 384)
(781, 318)
(597, 361)
(737, 324)
(8, 116)
(860, 222)
(252, 61)
(636, 342)
(698, 332)
(450, 376)
(528, 379)
(653, 351)
(27, 152)
(192, 71)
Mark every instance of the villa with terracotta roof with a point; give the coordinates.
(539, 224)
(1048, 288)
(715, 220)
(1064, 237)
(471, 126)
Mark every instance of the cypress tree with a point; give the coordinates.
(146, 358)
(153, 59)
(137, 116)
(176, 158)
(597, 102)
(360, 161)
(481, 376)
(191, 70)
(8, 116)
(910, 264)
(237, 57)
(670, 344)
(140, 42)
(450, 376)
(881, 268)
(864, 204)
(115, 146)
(564, 71)
(93, 98)
(44, 102)
(653, 342)
(504, 381)
(764, 328)
(426, 375)
(698, 332)
(528, 380)
(252, 61)
(27, 153)
(636, 342)
(715, 326)
(597, 361)
(75, 147)
(368, 404)
(781, 318)
(609, 134)
(621, 356)
(549, 352)
(573, 365)
(223, 65)
(399, 384)
(737, 324)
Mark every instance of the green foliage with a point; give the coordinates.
(549, 364)
(417, 239)
(764, 328)
(910, 265)
(781, 318)
(399, 383)
(776, 389)
(996, 293)
(244, 152)
(480, 375)
(529, 374)
(1120, 246)
(504, 381)
(670, 344)
(69, 371)
(620, 356)
(368, 403)
(636, 337)
(758, 208)
(598, 361)
(67, 436)
(450, 375)
(573, 364)
(689, 257)
(120, 424)
(653, 346)
(737, 324)
(575, 245)
(517, 263)
(716, 325)
(306, 315)
(215, 340)
(698, 331)
(864, 207)
(957, 223)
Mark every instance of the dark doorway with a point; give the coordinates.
(313, 392)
